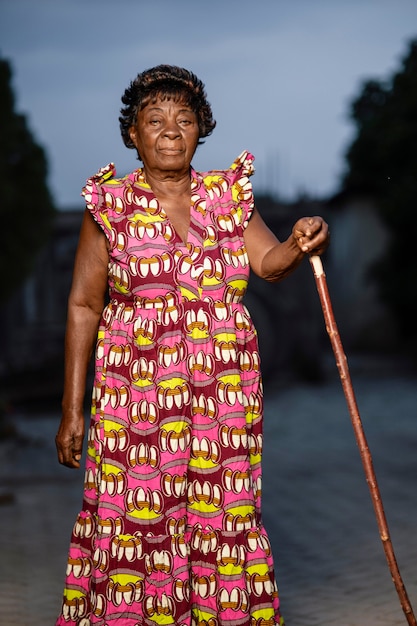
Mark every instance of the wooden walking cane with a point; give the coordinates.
(366, 457)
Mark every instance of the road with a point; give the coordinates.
(330, 563)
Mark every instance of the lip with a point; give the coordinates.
(170, 150)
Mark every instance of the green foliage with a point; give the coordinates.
(26, 207)
(382, 162)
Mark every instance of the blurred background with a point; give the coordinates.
(324, 94)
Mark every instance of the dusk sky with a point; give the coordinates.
(280, 75)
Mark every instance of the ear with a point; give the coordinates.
(132, 135)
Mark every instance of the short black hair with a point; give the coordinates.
(165, 81)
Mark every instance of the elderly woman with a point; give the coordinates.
(170, 531)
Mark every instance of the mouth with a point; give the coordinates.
(170, 151)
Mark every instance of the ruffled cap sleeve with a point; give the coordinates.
(242, 193)
(243, 164)
(95, 198)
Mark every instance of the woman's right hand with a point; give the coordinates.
(85, 305)
(69, 438)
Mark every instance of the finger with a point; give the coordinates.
(60, 456)
(309, 230)
(303, 243)
(74, 454)
(77, 448)
(59, 450)
(317, 244)
(307, 227)
(320, 246)
(71, 461)
(69, 456)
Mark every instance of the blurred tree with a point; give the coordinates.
(26, 207)
(382, 162)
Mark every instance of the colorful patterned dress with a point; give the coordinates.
(170, 532)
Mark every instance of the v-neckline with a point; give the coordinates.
(166, 217)
(177, 239)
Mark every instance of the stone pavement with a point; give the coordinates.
(330, 563)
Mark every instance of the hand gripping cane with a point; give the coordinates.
(365, 453)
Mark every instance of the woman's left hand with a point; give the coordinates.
(311, 234)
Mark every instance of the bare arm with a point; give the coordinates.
(272, 259)
(85, 305)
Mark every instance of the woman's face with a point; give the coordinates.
(166, 135)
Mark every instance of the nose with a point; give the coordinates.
(171, 129)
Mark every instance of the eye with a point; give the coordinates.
(186, 121)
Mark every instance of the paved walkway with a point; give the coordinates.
(330, 562)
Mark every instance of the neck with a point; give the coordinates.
(168, 183)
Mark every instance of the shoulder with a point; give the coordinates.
(105, 178)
